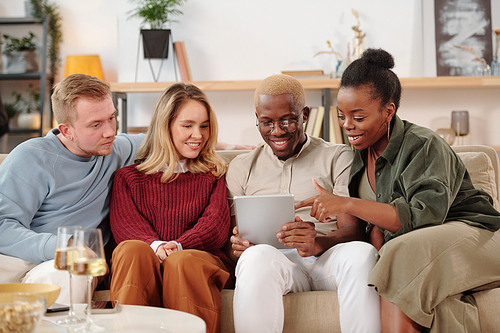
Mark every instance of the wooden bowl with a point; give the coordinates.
(50, 291)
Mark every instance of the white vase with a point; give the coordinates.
(20, 62)
(29, 120)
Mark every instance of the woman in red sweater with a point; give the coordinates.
(169, 212)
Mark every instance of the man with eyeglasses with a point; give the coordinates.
(319, 256)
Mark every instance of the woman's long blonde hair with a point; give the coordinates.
(158, 150)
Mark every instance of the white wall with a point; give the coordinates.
(250, 40)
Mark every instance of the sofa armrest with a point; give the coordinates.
(2, 157)
(482, 164)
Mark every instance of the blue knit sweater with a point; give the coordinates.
(43, 186)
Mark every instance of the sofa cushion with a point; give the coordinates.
(228, 155)
(482, 173)
(312, 311)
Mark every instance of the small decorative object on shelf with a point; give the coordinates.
(447, 134)
(358, 44)
(495, 65)
(482, 68)
(460, 124)
(358, 47)
(340, 60)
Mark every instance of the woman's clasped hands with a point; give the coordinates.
(164, 250)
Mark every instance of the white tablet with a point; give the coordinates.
(260, 217)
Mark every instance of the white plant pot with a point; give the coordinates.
(20, 62)
(29, 120)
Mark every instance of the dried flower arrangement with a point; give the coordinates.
(477, 58)
(359, 36)
(497, 40)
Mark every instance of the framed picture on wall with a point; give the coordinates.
(462, 23)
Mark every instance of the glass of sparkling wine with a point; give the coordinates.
(89, 260)
(63, 260)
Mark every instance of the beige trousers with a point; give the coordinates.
(188, 280)
(430, 274)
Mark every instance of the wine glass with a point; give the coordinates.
(89, 260)
(63, 260)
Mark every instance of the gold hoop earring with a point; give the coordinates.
(388, 130)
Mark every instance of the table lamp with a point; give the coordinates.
(83, 64)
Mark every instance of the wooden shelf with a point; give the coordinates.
(441, 82)
(249, 85)
(451, 82)
(120, 90)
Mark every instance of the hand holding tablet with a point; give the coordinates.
(260, 217)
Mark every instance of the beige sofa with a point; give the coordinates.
(318, 311)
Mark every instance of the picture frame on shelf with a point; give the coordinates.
(462, 24)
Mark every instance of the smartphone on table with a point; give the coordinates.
(56, 307)
(103, 307)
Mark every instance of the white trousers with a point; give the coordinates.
(15, 270)
(264, 274)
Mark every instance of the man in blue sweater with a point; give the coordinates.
(62, 179)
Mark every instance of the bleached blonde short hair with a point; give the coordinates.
(281, 84)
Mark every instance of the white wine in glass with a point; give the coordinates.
(89, 260)
(63, 260)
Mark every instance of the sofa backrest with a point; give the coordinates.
(481, 162)
(228, 155)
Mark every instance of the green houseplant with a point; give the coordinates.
(155, 15)
(27, 109)
(14, 108)
(42, 9)
(25, 43)
(20, 52)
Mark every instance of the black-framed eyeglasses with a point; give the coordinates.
(287, 125)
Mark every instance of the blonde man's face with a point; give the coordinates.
(93, 132)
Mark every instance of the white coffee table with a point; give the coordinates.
(132, 319)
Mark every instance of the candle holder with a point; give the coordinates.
(460, 124)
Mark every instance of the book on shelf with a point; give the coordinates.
(335, 129)
(182, 61)
(318, 122)
(313, 112)
(307, 74)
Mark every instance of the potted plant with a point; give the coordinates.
(20, 54)
(156, 14)
(40, 10)
(13, 109)
(27, 109)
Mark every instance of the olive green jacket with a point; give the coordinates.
(420, 174)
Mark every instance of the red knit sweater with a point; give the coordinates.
(192, 210)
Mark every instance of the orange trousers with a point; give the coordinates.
(188, 280)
